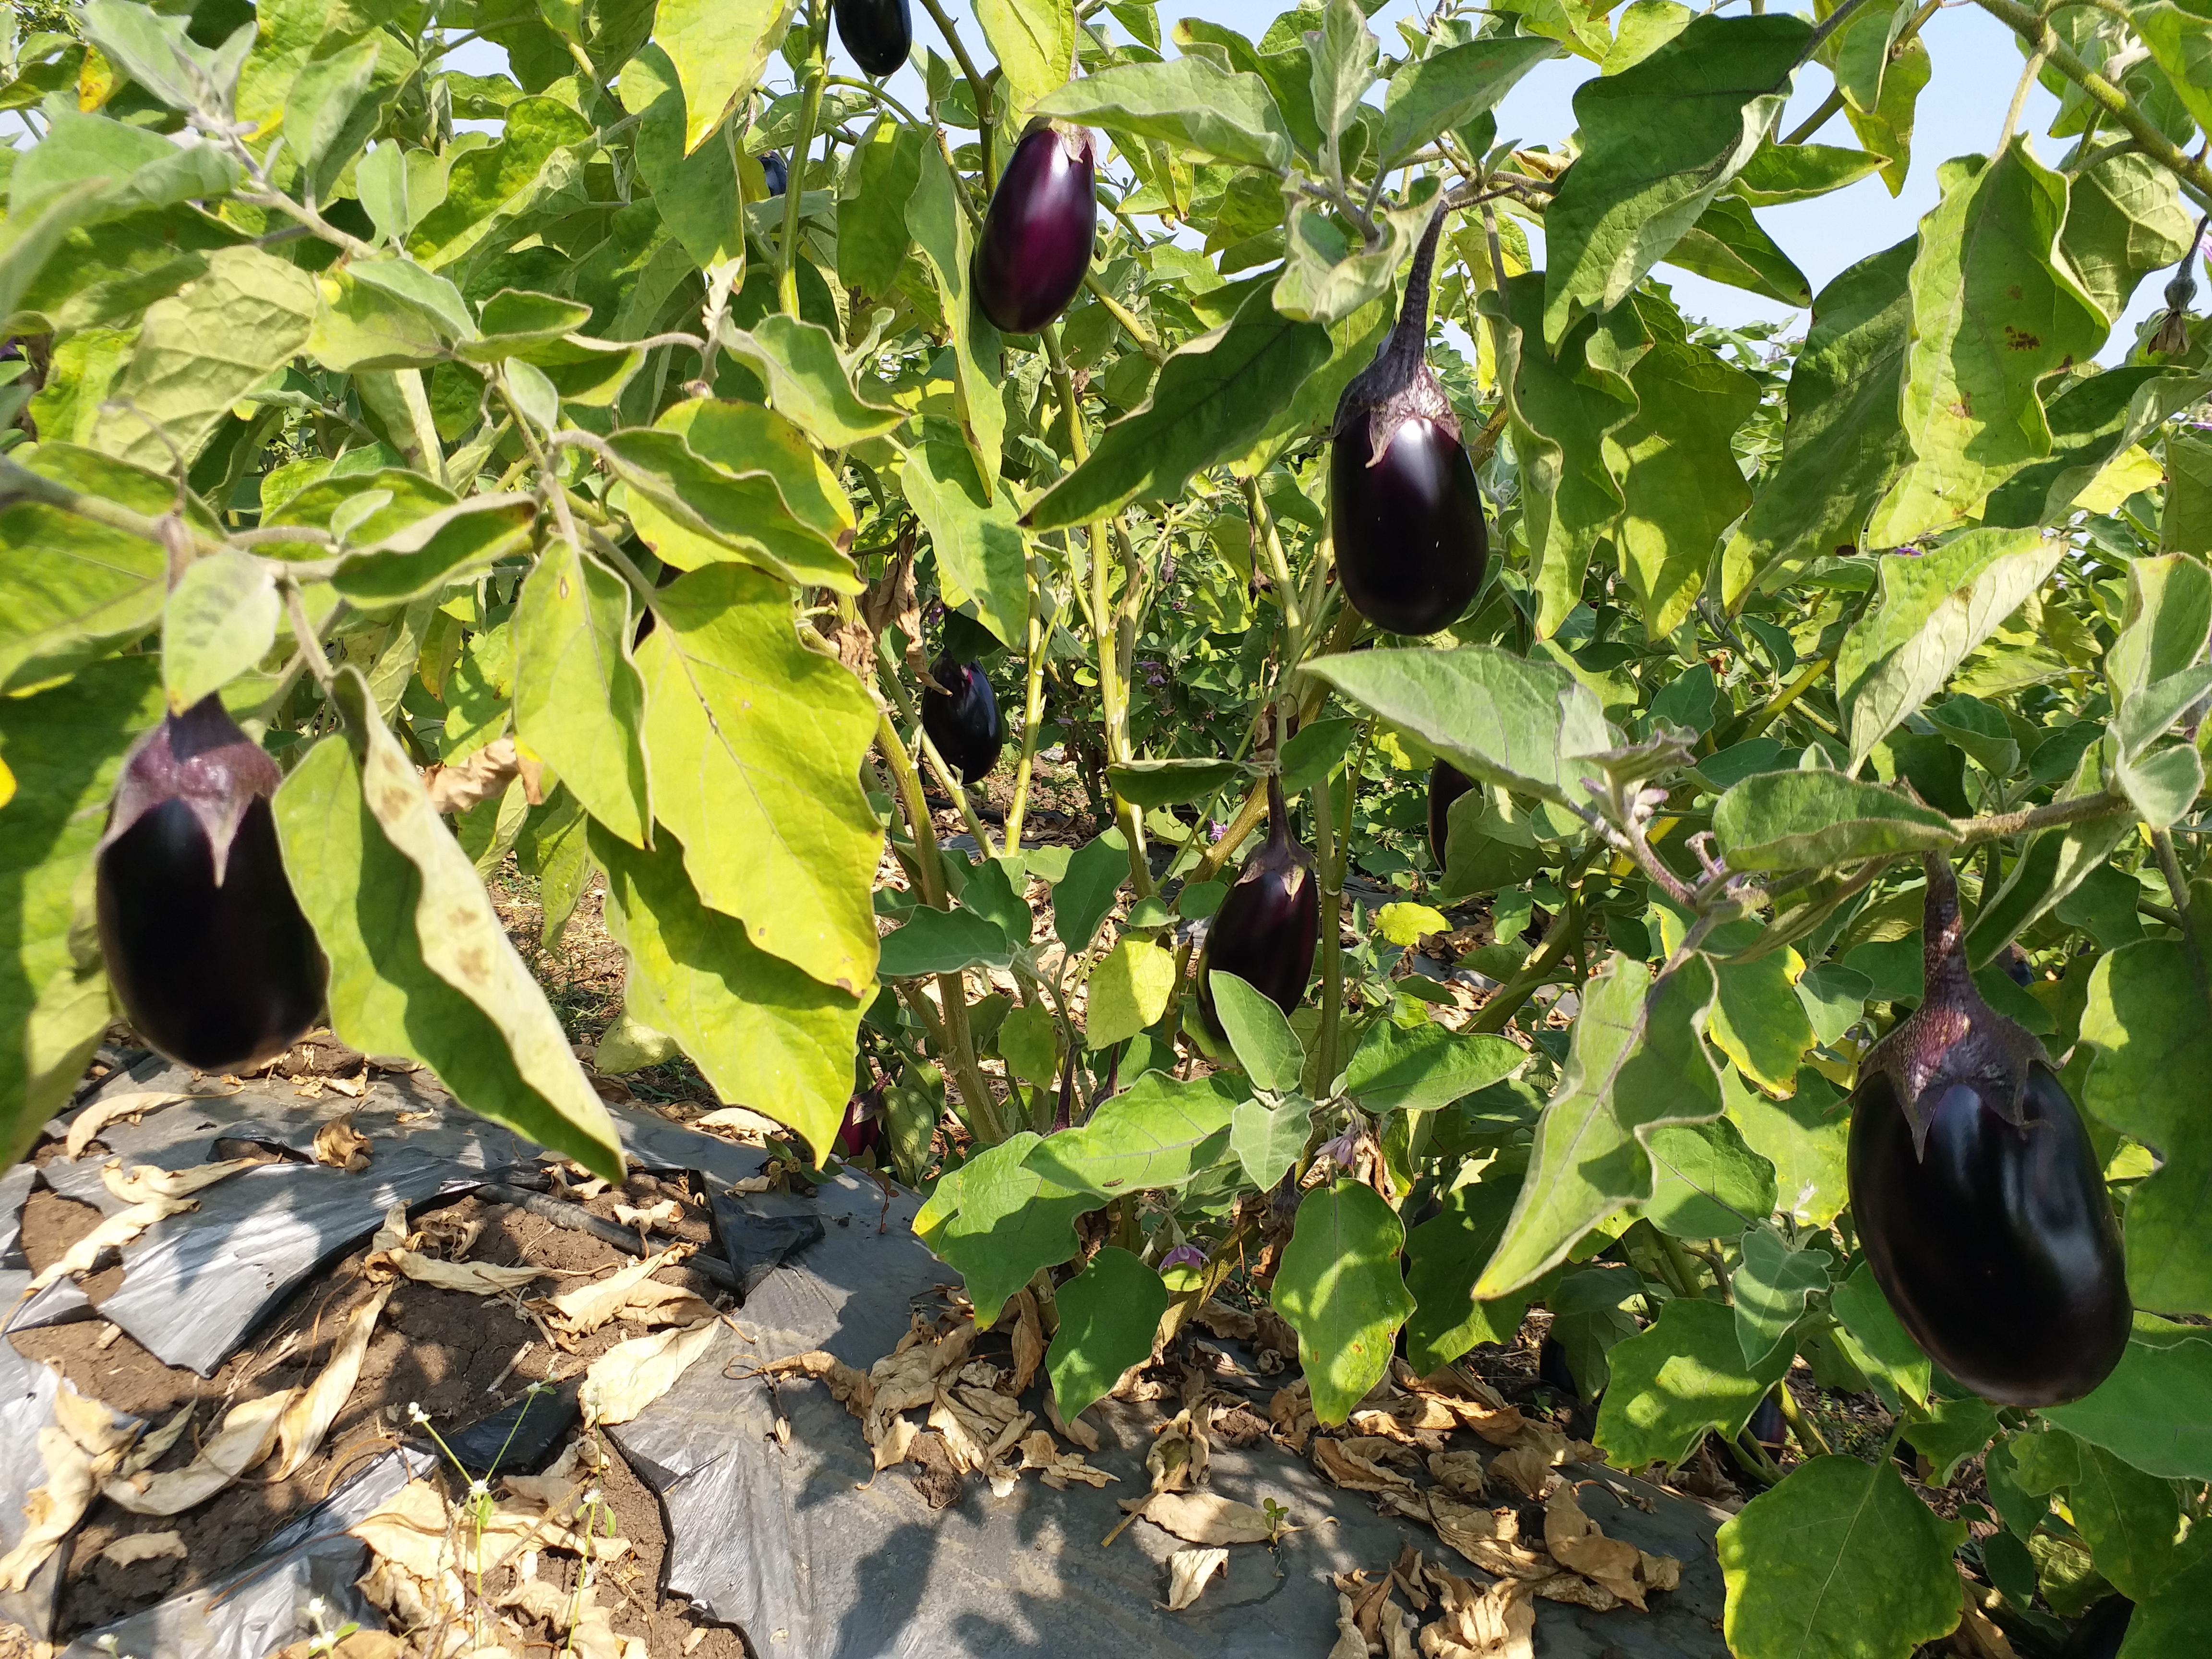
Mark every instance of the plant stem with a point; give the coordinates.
(2177, 882)
(1129, 319)
(2079, 810)
(978, 87)
(1810, 1440)
(794, 186)
(1565, 931)
(957, 1041)
(1772, 708)
(1680, 1259)
(1032, 714)
(1331, 932)
(1834, 102)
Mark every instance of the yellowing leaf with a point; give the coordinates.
(1129, 991)
(2134, 468)
(1406, 924)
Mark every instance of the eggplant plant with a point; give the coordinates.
(1537, 802)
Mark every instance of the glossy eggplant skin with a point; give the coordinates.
(776, 172)
(962, 719)
(2102, 1629)
(215, 978)
(1447, 783)
(1039, 231)
(1411, 547)
(862, 1131)
(1269, 925)
(1996, 1247)
(879, 34)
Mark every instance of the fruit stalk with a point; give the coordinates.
(978, 87)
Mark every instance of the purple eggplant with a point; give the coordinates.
(962, 719)
(1266, 928)
(1039, 229)
(1404, 510)
(776, 172)
(862, 1131)
(877, 33)
(1978, 1198)
(207, 950)
(1447, 783)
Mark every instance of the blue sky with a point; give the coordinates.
(1977, 65)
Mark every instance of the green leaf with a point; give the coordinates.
(806, 381)
(694, 515)
(1316, 751)
(2162, 625)
(1645, 26)
(1639, 1060)
(1679, 1380)
(1266, 1047)
(1840, 1561)
(553, 845)
(718, 50)
(745, 438)
(1447, 89)
(1444, 1255)
(938, 225)
(695, 187)
(997, 889)
(1517, 722)
(998, 1221)
(1770, 1285)
(1082, 897)
(1327, 279)
(140, 169)
(424, 558)
(1802, 820)
(1953, 1431)
(1202, 111)
(1706, 1183)
(1880, 1346)
(872, 234)
(419, 963)
(1844, 441)
(1029, 1043)
(2131, 1520)
(1563, 404)
(1680, 483)
(981, 554)
(2180, 43)
(1394, 1070)
(1157, 1133)
(1340, 1287)
(1149, 783)
(495, 196)
(202, 350)
(1109, 1314)
(1779, 172)
(1034, 41)
(333, 109)
(1729, 244)
(758, 1029)
(943, 942)
(2147, 1024)
(579, 704)
(1659, 141)
(1993, 312)
(63, 748)
(2123, 220)
(753, 744)
(1343, 51)
(1935, 610)
(71, 588)
(1591, 1316)
(1269, 1141)
(220, 620)
(1805, 1138)
(1129, 991)
(2171, 1625)
(35, 230)
(1214, 397)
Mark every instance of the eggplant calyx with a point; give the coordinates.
(202, 758)
(1398, 386)
(1954, 1038)
(1278, 855)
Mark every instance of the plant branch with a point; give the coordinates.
(1973, 832)
(978, 85)
(1565, 933)
(794, 185)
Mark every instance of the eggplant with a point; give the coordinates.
(1268, 924)
(1405, 511)
(776, 172)
(1039, 230)
(1978, 1198)
(962, 719)
(862, 1131)
(1447, 783)
(877, 33)
(1553, 1371)
(205, 946)
(1767, 1426)
(2102, 1629)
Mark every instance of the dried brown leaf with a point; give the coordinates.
(84, 1128)
(1187, 1572)
(248, 1433)
(112, 1234)
(1029, 1339)
(630, 1375)
(1200, 1517)
(83, 1444)
(309, 1417)
(1527, 1469)
(469, 783)
(342, 1146)
(134, 1547)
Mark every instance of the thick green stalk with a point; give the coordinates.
(978, 87)
(794, 188)
(1032, 716)
(1331, 871)
(951, 988)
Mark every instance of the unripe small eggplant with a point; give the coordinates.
(1039, 230)
(776, 172)
(1405, 511)
(1447, 783)
(207, 950)
(962, 719)
(1978, 1196)
(877, 33)
(1269, 923)
(862, 1131)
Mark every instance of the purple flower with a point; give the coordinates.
(1183, 1255)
